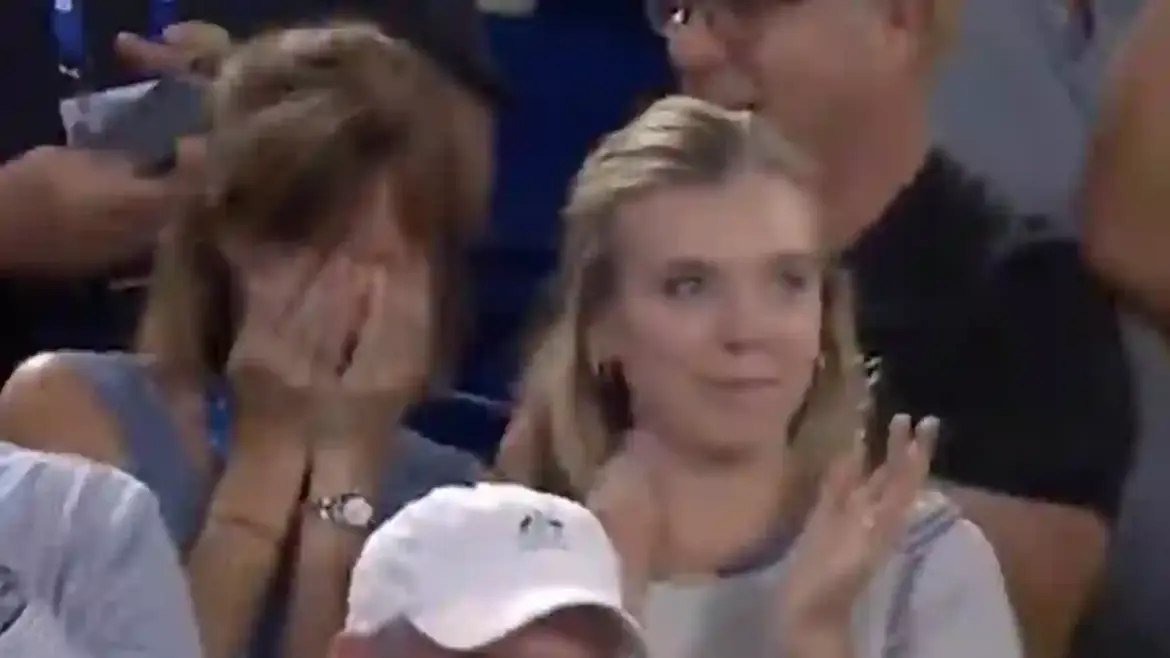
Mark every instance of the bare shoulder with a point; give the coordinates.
(48, 405)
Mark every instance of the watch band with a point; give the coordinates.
(351, 511)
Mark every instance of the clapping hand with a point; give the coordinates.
(624, 497)
(858, 521)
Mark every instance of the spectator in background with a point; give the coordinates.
(494, 570)
(293, 314)
(974, 314)
(66, 215)
(86, 567)
(703, 361)
(1126, 195)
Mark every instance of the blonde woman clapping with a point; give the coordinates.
(700, 386)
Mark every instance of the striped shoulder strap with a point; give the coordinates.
(934, 515)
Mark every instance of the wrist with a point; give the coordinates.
(820, 640)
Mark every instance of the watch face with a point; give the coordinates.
(12, 597)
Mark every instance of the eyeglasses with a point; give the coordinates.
(665, 15)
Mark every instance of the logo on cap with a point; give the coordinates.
(539, 531)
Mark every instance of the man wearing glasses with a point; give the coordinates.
(987, 319)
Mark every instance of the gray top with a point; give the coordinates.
(87, 557)
(1016, 100)
(122, 384)
(941, 596)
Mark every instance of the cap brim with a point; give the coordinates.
(476, 624)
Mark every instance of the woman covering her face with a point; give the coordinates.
(699, 385)
(294, 313)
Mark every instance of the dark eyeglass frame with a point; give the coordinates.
(665, 14)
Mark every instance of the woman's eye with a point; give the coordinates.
(793, 281)
(684, 286)
(679, 16)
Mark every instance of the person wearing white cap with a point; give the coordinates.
(491, 569)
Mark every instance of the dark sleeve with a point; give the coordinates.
(1036, 398)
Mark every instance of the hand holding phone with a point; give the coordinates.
(147, 128)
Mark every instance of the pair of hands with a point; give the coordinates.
(335, 346)
(858, 520)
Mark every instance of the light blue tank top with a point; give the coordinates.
(154, 454)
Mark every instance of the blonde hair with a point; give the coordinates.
(559, 438)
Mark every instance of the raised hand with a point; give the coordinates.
(393, 344)
(627, 501)
(858, 521)
(191, 47)
(290, 344)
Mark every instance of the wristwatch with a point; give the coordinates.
(348, 510)
(12, 599)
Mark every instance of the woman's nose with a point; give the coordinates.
(693, 48)
(745, 319)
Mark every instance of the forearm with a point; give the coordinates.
(44, 234)
(236, 555)
(29, 235)
(820, 644)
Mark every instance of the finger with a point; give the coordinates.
(198, 37)
(316, 323)
(900, 495)
(901, 435)
(339, 314)
(840, 482)
(272, 286)
(370, 357)
(920, 453)
(394, 343)
(898, 435)
(148, 57)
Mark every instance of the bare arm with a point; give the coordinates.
(1127, 203)
(249, 527)
(65, 212)
(1051, 557)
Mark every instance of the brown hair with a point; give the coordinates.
(303, 119)
(560, 437)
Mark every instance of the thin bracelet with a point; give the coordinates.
(255, 528)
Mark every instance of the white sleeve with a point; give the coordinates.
(959, 607)
(126, 592)
(38, 634)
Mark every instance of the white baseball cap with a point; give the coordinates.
(467, 565)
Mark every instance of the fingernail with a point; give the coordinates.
(928, 425)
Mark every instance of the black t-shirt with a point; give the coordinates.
(993, 323)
